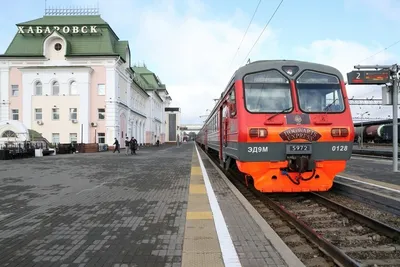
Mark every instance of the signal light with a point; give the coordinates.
(339, 132)
(258, 132)
(290, 70)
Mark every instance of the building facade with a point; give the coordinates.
(70, 78)
(173, 129)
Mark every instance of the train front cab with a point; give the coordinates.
(297, 133)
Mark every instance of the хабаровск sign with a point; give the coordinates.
(63, 29)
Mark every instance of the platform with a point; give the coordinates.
(379, 171)
(161, 207)
(374, 150)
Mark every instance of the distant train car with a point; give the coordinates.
(285, 124)
(382, 133)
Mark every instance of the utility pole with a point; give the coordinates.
(395, 121)
(387, 75)
(362, 131)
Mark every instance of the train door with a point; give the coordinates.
(223, 126)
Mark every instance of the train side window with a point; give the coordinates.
(232, 103)
(214, 124)
(225, 111)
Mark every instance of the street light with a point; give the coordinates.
(362, 130)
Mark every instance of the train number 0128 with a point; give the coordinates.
(257, 149)
(339, 148)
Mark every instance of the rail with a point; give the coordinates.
(289, 208)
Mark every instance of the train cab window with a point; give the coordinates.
(267, 92)
(319, 92)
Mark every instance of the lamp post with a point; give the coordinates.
(362, 130)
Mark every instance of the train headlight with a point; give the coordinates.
(258, 132)
(339, 132)
(262, 132)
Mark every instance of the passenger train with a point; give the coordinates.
(285, 124)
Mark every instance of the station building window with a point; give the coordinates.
(101, 89)
(14, 90)
(101, 138)
(38, 114)
(73, 137)
(55, 88)
(15, 114)
(73, 88)
(55, 114)
(8, 133)
(73, 113)
(38, 88)
(57, 47)
(55, 137)
(101, 113)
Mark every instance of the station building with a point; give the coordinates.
(70, 78)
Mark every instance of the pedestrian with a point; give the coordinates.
(133, 145)
(127, 145)
(116, 146)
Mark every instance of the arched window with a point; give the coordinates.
(73, 88)
(8, 133)
(38, 88)
(55, 88)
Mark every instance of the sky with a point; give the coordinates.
(192, 45)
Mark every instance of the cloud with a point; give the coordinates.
(191, 49)
(187, 47)
(344, 55)
(193, 54)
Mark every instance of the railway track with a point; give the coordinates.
(322, 232)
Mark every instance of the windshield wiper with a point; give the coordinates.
(330, 105)
(279, 112)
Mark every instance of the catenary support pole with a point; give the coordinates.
(395, 122)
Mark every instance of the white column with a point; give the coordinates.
(27, 87)
(142, 132)
(4, 94)
(84, 106)
(111, 107)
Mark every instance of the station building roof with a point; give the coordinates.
(103, 41)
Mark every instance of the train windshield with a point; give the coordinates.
(319, 92)
(267, 92)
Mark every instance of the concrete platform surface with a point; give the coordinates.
(379, 170)
(100, 209)
(161, 207)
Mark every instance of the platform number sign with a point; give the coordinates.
(368, 77)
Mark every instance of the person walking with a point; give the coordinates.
(127, 145)
(133, 145)
(116, 146)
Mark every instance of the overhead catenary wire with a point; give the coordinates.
(244, 35)
(270, 19)
(383, 50)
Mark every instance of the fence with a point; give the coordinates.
(25, 147)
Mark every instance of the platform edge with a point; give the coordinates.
(379, 184)
(229, 253)
(284, 251)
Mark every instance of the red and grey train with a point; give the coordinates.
(286, 124)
